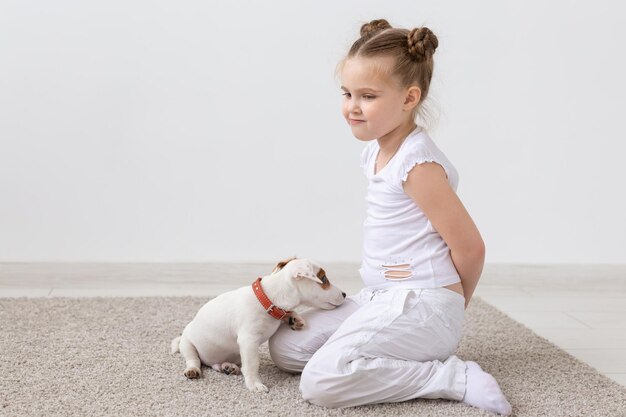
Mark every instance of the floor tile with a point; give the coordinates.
(604, 360)
(24, 292)
(559, 303)
(500, 291)
(207, 291)
(584, 338)
(598, 320)
(547, 319)
(620, 378)
(570, 291)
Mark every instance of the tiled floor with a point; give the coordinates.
(581, 308)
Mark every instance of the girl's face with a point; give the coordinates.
(374, 105)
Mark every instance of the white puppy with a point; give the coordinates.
(230, 328)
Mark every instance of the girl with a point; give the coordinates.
(422, 253)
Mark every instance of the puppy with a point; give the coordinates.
(230, 328)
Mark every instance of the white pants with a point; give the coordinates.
(377, 347)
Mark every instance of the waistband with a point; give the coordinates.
(441, 293)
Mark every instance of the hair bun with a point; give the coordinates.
(422, 43)
(374, 26)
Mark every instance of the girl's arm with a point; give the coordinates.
(428, 186)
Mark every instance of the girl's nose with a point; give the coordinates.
(354, 108)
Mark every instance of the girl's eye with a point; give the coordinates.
(366, 96)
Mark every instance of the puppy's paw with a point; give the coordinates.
(230, 368)
(192, 373)
(257, 387)
(296, 322)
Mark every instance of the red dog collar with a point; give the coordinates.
(276, 312)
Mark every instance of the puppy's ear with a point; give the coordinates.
(305, 270)
(282, 264)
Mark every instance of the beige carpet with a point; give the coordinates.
(110, 356)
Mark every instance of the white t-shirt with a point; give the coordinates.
(400, 245)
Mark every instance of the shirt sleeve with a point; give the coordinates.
(415, 155)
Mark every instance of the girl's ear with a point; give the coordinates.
(413, 95)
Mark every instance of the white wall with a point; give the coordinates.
(141, 130)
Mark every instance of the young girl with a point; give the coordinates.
(422, 253)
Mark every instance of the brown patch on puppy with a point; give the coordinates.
(322, 276)
(282, 264)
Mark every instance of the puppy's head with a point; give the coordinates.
(311, 282)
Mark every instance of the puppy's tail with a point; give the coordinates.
(175, 345)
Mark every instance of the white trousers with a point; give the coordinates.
(379, 346)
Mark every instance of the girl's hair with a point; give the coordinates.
(412, 52)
